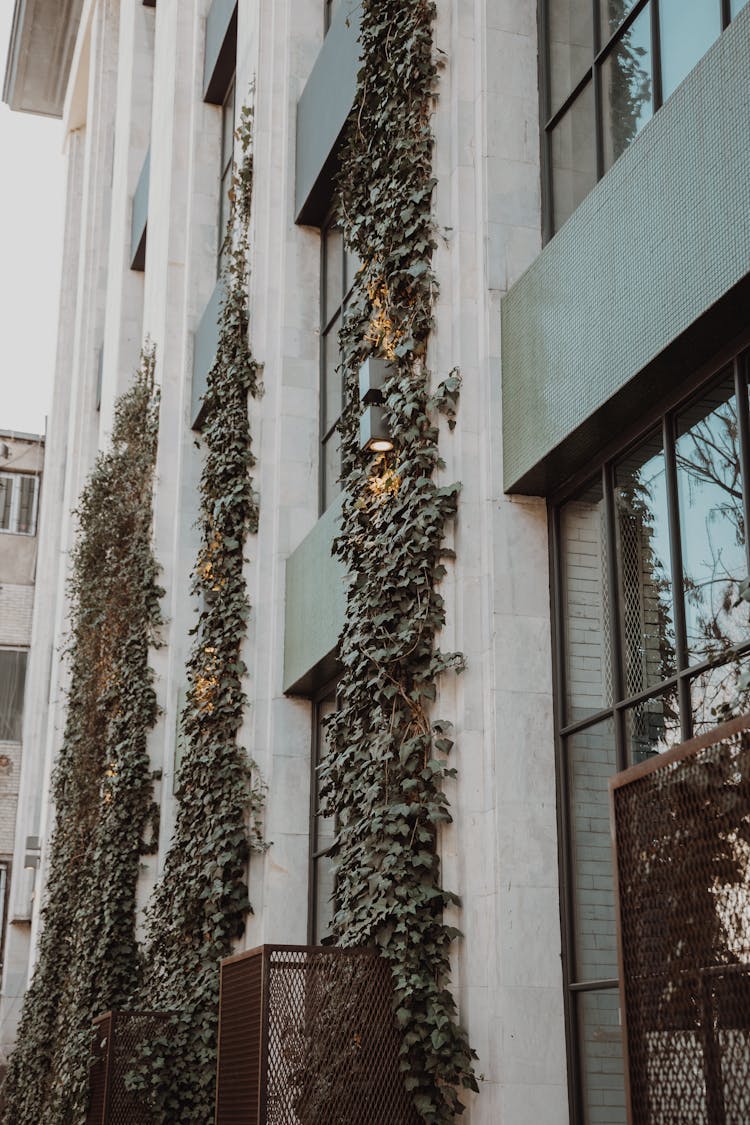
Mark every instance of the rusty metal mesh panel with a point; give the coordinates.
(240, 1020)
(682, 830)
(333, 1045)
(115, 1042)
(100, 1034)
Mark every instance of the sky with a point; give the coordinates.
(31, 213)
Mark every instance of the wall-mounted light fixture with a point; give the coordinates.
(374, 436)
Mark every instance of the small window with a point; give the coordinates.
(19, 493)
(322, 833)
(12, 686)
(226, 168)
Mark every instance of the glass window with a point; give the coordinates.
(591, 763)
(19, 495)
(227, 167)
(12, 685)
(600, 1030)
(652, 653)
(607, 46)
(644, 568)
(322, 832)
(586, 607)
(571, 40)
(686, 33)
(337, 274)
(626, 88)
(574, 156)
(712, 523)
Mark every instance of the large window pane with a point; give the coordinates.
(712, 524)
(612, 13)
(12, 684)
(602, 1062)
(331, 468)
(718, 694)
(334, 271)
(687, 31)
(652, 727)
(571, 46)
(644, 568)
(332, 373)
(586, 605)
(626, 88)
(573, 156)
(591, 763)
(322, 831)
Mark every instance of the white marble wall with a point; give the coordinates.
(501, 851)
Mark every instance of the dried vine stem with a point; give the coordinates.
(383, 776)
(102, 789)
(201, 902)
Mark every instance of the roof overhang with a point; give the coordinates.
(42, 43)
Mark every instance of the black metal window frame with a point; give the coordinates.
(601, 50)
(318, 854)
(736, 357)
(329, 9)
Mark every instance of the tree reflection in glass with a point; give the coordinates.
(712, 524)
(644, 567)
(626, 82)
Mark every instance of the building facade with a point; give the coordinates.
(592, 201)
(21, 468)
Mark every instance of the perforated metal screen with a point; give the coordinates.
(682, 838)
(116, 1037)
(323, 1030)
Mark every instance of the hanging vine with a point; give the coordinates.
(383, 776)
(102, 790)
(201, 902)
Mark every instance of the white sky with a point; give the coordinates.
(31, 213)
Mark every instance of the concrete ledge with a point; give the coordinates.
(205, 343)
(638, 282)
(40, 53)
(139, 217)
(315, 608)
(322, 112)
(221, 50)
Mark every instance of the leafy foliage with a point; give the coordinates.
(383, 777)
(201, 902)
(102, 791)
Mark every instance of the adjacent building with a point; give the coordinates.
(21, 467)
(593, 201)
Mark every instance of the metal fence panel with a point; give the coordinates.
(681, 828)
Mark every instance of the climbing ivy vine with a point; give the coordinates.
(102, 790)
(388, 755)
(201, 902)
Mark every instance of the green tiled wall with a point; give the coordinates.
(661, 238)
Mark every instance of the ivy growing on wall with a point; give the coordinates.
(102, 790)
(388, 754)
(201, 902)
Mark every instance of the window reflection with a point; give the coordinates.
(626, 88)
(644, 568)
(612, 13)
(570, 44)
(587, 609)
(652, 727)
(718, 694)
(591, 762)
(322, 832)
(574, 156)
(685, 35)
(601, 1058)
(712, 524)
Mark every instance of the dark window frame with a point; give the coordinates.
(600, 51)
(325, 695)
(331, 320)
(736, 356)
